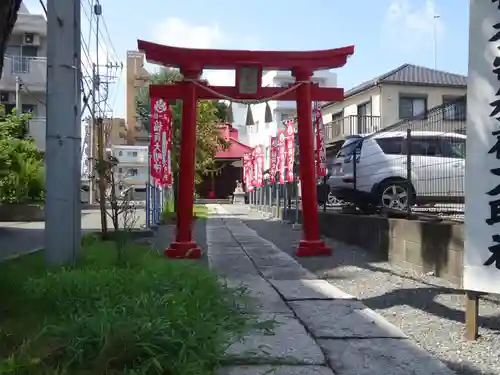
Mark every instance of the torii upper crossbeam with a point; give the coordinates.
(249, 66)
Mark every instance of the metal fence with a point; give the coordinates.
(416, 166)
(353, 124)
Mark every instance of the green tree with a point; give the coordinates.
(22, 172)
(210, 115)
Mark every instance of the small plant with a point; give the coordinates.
(122, 210)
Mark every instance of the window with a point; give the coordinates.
(426, 146)
(9, 108)
(410, 107)
(132, 172)
(364, 117)
(350, 145)
(365, 109)
(29, 108)
(4, 96)
(454, 108)
(132, 153)
(337, 116)
(453, 147)
(284, 116)
(120, 153)
(120, 170)
(391, 146)
(21, 56)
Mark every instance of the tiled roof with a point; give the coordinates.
(412, 75)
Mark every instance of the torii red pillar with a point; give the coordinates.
(249, 66)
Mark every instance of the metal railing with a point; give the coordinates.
(414, 167)
(348, 125)
(23, 64)
(31, 70)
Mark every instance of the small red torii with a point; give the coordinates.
(248, 86)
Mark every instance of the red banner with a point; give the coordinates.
(258, 162)
(281, 156)
(273, 155)
(247, 171)
(167, 139)
(160, 115)
(320, 143)
(290, 150)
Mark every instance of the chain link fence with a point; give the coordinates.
(415, 167)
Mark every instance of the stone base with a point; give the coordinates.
(183, 250)
(238, 198)
(312, 249)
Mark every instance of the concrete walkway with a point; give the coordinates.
(316, 329)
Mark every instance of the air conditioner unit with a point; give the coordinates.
(31, 39)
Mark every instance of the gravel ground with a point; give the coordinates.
(426, 308)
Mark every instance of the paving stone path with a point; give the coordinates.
(317, 329)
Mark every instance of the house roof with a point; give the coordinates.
(236, 150)
(410, 74)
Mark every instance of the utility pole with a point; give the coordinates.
(91, 125)
(435, 40)
(63, 135)
(99, 127)
(18, 95)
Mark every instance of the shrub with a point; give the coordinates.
(149, 316)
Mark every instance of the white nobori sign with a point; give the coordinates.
(482, 177)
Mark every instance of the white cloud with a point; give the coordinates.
(179, 33)
(411, 26)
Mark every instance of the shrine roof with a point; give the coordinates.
(236, 150)
(228, 59)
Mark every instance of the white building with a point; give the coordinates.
(132, 169)
(26, 63)
(261, 132)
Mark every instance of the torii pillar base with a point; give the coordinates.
(183, 250)
(313, 249)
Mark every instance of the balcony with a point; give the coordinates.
(31, 70)
(338, 129)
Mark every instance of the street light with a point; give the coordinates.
(435, 40)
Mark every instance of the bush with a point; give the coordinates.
(22, 171)
(150, 316)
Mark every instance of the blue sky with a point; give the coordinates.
(386, 33)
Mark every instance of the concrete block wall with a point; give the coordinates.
(416, 245)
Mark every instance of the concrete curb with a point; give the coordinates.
(355, 339)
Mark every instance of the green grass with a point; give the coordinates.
(200, 211)
(149, 315)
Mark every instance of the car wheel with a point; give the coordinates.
(394, 195)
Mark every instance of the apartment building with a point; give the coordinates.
(132, 169)
(400, 94)
(137, 76)
(25, 71)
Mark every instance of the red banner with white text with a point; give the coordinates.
(320, 143)
(281, 156)
(258, 157)
(161, 119)
(290, 150)
(247, 171)
(273, 156)
(167, 139)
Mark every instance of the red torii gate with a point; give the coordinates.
(249, 66)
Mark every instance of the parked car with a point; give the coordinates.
(380, 178)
